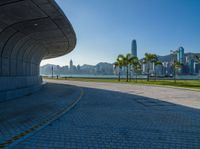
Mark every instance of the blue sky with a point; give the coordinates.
(105, 28)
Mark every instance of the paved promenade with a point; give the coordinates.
(124, 116)
(177, 96)
(22, 116)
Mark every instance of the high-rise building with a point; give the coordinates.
(134, 48)
(180, 55)
(191, 66)
(71, 64)
(180, 58)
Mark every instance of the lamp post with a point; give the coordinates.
(174, 53)
(52, 72)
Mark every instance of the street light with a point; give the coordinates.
(174, 54)
(52, 71)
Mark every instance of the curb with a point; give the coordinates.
(27, 133)
(166, 86)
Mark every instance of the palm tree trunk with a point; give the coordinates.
(126, 73)
(199, 74)
(175, 78)
(136, 77)
(174, 74)
(119, 75)
(148, 74)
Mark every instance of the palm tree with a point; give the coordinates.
(118, 64)
(148, 59)
(126, 62)
(134, 62)
(157, 63)
(197, 57)
(137, 69)
(177, 66)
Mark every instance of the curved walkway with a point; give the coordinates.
(23, 116)
(170, 94)
(114, 119)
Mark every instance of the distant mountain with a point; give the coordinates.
(191, 54)
(104, 68)
(168, 58)
(85, 66)
(47, 69)
(104, 64)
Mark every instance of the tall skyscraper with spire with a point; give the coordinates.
(71, 64)
(134, 48)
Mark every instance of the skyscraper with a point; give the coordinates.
(134, 48)
(180, 55)
(70, 64)
(181, 58)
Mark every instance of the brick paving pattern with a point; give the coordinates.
(21, 114)
(112, 119)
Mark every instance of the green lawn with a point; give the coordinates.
(193, 84)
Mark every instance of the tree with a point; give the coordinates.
(134, 62)
(137, 69)
(118, 64)
(126, 60)
(157, 63)
(149, 59)
(197, 58)
(177, 65)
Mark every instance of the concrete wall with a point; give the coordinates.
(30, 30)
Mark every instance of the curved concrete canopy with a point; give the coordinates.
(31, 30)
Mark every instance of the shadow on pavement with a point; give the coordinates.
(110, 119)
(21, 114)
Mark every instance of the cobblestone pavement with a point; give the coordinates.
(177, 96)
(19, 115)
(111, 119)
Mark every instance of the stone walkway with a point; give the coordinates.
(114, 119)
(20, 116)
(177, 96)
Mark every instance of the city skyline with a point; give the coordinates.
(75, 63)
(104, 31)
(190, 66)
